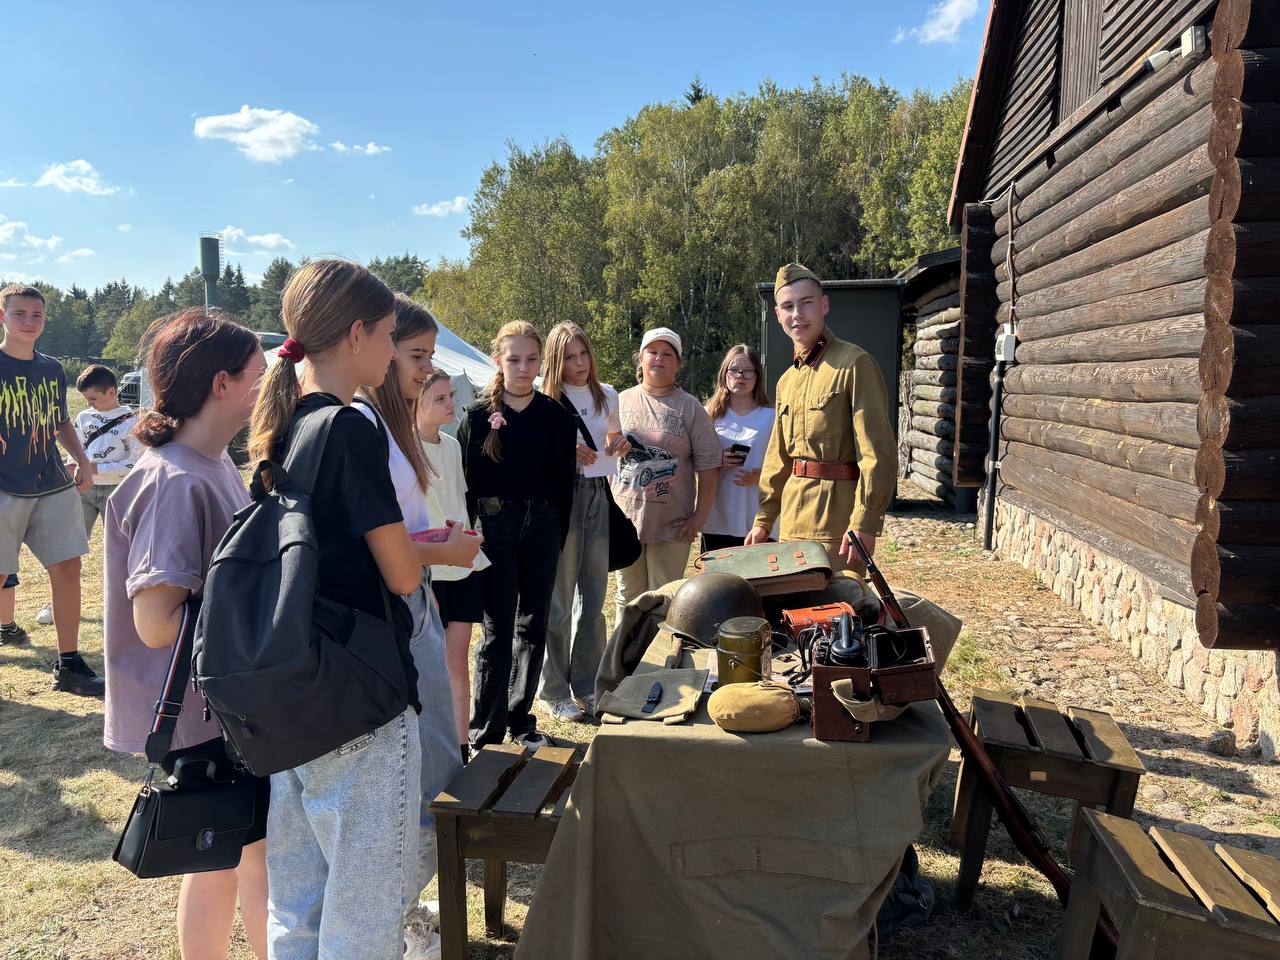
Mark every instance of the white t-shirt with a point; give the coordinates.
(735, 507)
(410, 496)
(599, 425)
(447, 498)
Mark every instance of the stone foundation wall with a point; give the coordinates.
(1236, 688)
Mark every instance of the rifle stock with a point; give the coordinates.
(1015, 817)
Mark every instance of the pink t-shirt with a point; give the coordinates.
(672, 439)
(162, 524)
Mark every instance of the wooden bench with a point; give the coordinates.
(1081, 754)
(1171, 896)
(503, 807)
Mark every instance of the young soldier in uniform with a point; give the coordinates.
(831, 465)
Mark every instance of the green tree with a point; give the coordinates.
(402, 274)
(189, 291)
(264, 311)
(127, 334)
(233, 292)
(108, 304)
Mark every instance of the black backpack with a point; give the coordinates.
(290, 675)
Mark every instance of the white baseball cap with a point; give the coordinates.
(662, 333)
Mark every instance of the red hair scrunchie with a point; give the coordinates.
(292, 350)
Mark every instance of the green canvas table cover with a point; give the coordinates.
(690, 843)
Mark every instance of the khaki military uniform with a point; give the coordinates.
(832, 408)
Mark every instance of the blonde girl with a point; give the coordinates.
(518, 458)
(576, 633)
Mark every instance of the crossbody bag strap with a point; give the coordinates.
(107, 427)
(169, 706)
(582, 424)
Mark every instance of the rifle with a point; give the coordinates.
(1016, 818)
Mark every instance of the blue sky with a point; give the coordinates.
(322, 128)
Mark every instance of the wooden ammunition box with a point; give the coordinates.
(831, 721)
(902, 666)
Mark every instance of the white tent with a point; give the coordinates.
(469, 368)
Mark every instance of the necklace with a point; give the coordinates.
(518, 396)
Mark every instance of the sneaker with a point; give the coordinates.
(588, 707)
(45, 616)
(79, 679)
(421, 942)
(567, 710)
(13, 635)
(533, 740)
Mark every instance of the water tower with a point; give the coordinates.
(210, 266)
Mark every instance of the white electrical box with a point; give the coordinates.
(1193, 41)
(1006, 343)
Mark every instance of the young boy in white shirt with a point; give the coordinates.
(105, 430)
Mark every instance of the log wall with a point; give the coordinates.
(1141, 266)
(932, 395)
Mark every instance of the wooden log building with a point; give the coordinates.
(1118, 202)
(928, 405)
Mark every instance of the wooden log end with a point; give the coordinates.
(1211, 470)
(1206, 569)
(1225, 131)
(1245, 23)
(1237, 626)
(1208, 516)
(1224, 192)
(1213, 419)
(1217, 358)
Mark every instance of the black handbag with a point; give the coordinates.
(201, 816)
(624, 543)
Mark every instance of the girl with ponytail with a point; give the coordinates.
(160, 529)
(518, 459)
(392, 406)
(343, 829)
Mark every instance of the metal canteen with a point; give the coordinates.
(744, 650)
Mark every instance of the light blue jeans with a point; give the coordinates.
(342, 849)
(437, 734)
(576, 629)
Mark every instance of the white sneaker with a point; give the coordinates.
(420, 941)
(567, 710)
(588, 707)
(533, 740)
(45, 616)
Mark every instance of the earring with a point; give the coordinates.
(356, 349)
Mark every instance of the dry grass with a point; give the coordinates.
(64, 797)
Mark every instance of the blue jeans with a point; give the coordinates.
(576, 629)
(436, 732)
(342, 849)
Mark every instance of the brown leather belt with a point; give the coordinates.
(817, 470)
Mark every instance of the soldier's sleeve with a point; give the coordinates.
(877, 449)
(773, 472)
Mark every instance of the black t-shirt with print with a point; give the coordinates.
(33, 404)
(353, 494)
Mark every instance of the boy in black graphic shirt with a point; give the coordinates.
(39, 502)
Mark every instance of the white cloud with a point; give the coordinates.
(78, 176)
(943, 22)
(8, 256)
(370, 149)
(267, 136)
(900, 35)
(73, 255)
(12, 182)
(289, 180)
(124, 227)
(442, 208)
(261, 242)
(16, 232)
(270, 241)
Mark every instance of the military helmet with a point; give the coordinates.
(705, 601)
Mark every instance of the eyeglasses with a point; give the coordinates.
(734, 372)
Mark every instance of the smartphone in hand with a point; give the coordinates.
(739, 451)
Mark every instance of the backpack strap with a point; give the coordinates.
(169, 706)
(304, 448)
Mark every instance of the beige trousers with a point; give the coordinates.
(657, 565)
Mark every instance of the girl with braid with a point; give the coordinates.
(518, 458)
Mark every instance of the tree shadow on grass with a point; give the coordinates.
(40, 748)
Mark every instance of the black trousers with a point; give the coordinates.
(522, 542)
